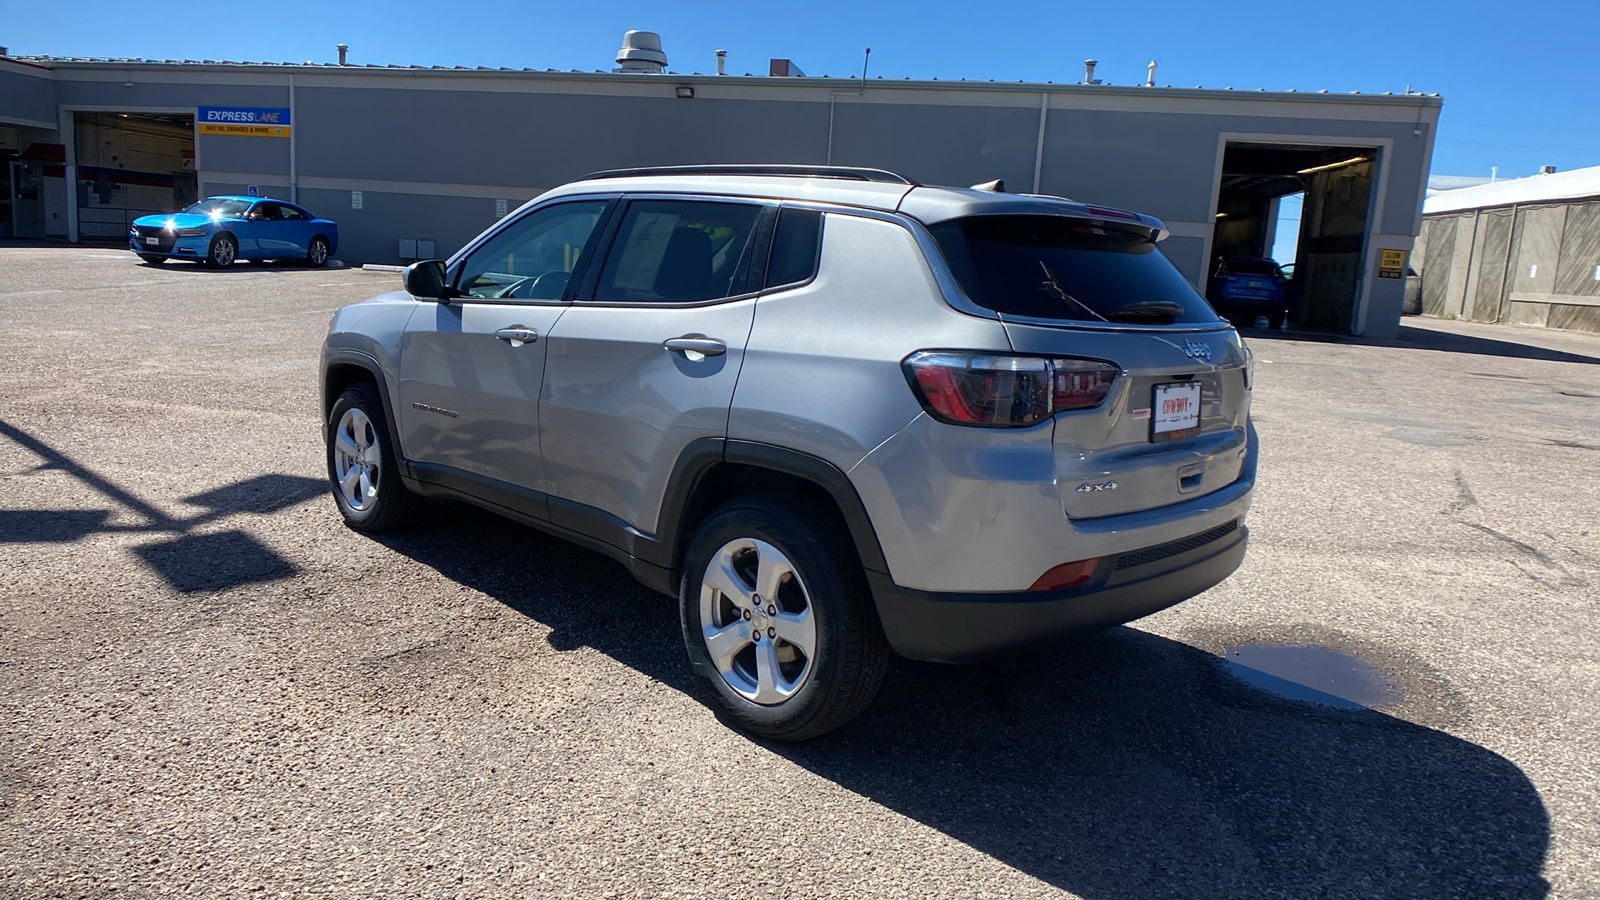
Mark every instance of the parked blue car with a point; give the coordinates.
(219, 231)
(1243, 288)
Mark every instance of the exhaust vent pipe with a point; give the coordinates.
(1088, 71)
(722, 61)
(1547, 170)
(343, 49)
(1150, 79)
(641, 52)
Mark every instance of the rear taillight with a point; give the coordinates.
(1003, 391)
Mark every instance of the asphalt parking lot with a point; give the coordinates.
(209, 687)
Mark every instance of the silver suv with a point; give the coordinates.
(833, 411)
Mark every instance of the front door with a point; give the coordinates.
(648, 362)
(471, 369)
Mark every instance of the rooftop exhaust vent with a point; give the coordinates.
(641, 52)
(784, 68)
(1547, 170)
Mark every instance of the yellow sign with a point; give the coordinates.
(237, 130)
(1391, 259)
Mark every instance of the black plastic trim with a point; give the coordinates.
(347, 357)
(970, 627)
(831, 479)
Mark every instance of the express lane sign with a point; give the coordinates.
(243, 121)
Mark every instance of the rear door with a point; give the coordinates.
(471, 369)
(646, 360)
(1174, 425)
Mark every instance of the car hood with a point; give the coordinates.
(178, 220)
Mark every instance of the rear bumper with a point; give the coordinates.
(963, 628)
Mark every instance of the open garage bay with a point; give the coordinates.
(209, 686)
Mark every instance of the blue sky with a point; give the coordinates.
(1519, 83)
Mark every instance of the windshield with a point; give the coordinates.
(1052, 267)
(219, 208)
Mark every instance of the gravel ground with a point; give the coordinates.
(209, 687)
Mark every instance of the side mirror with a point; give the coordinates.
(425, 279)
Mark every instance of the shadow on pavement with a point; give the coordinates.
(1427, 339)
(188, 561)
(1119, 765)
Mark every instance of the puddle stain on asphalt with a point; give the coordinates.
(1312, 674)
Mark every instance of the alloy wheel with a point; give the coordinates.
(357, 461)
(756, 620)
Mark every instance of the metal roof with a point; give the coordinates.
(1574, 184)
(96, 62)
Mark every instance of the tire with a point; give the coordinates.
(317, 254)
(762, 674)
(223, 252)
(152, 259)
(362, 468)
(1278, 318)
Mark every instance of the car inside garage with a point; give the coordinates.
(1336, 185)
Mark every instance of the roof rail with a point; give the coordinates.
(847, 173)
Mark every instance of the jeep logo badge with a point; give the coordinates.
(1197, 350)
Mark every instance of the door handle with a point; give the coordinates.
(696, 344)
(517, 335)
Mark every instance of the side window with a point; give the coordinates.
(264, 212)
(794, 247)
(533, 258)
(677, 251)
(291, 214)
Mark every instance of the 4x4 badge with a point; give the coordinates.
(1197, 350)
(1088, 487)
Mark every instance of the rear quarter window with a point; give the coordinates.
(1055, 267)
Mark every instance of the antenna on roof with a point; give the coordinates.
(864, 58)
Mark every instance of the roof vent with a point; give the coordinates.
(1088, 71)
(1547, 170)
(641, 52)
(343, 50)
(784, 68)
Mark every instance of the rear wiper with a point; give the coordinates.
(1053, 286)
(1165, 310)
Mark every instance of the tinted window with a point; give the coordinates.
(265, 212)
(1238, 266)
(794, 247)
(292, 214)
(1050, 267)
(219, 208)
(677, 251)
(533, 257)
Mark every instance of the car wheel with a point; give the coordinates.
(152, 259)
(317, 253)
(1279, 317)
(361, 464)
(778, 621)
(224, 251)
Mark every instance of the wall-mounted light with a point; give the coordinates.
(1334, 165)
(685, 93)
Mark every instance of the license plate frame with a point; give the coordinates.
(1172, 423)
(152, 242)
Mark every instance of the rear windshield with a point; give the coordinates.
(1249, 267)
(1051, 267)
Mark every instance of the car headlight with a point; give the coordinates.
(191, 232)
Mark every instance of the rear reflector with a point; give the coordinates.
(1066, 575)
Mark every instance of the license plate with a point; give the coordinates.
(1175, 411)
(153, 242)
(1257, 284)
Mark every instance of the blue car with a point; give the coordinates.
(219, 231)
(1243, 288)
